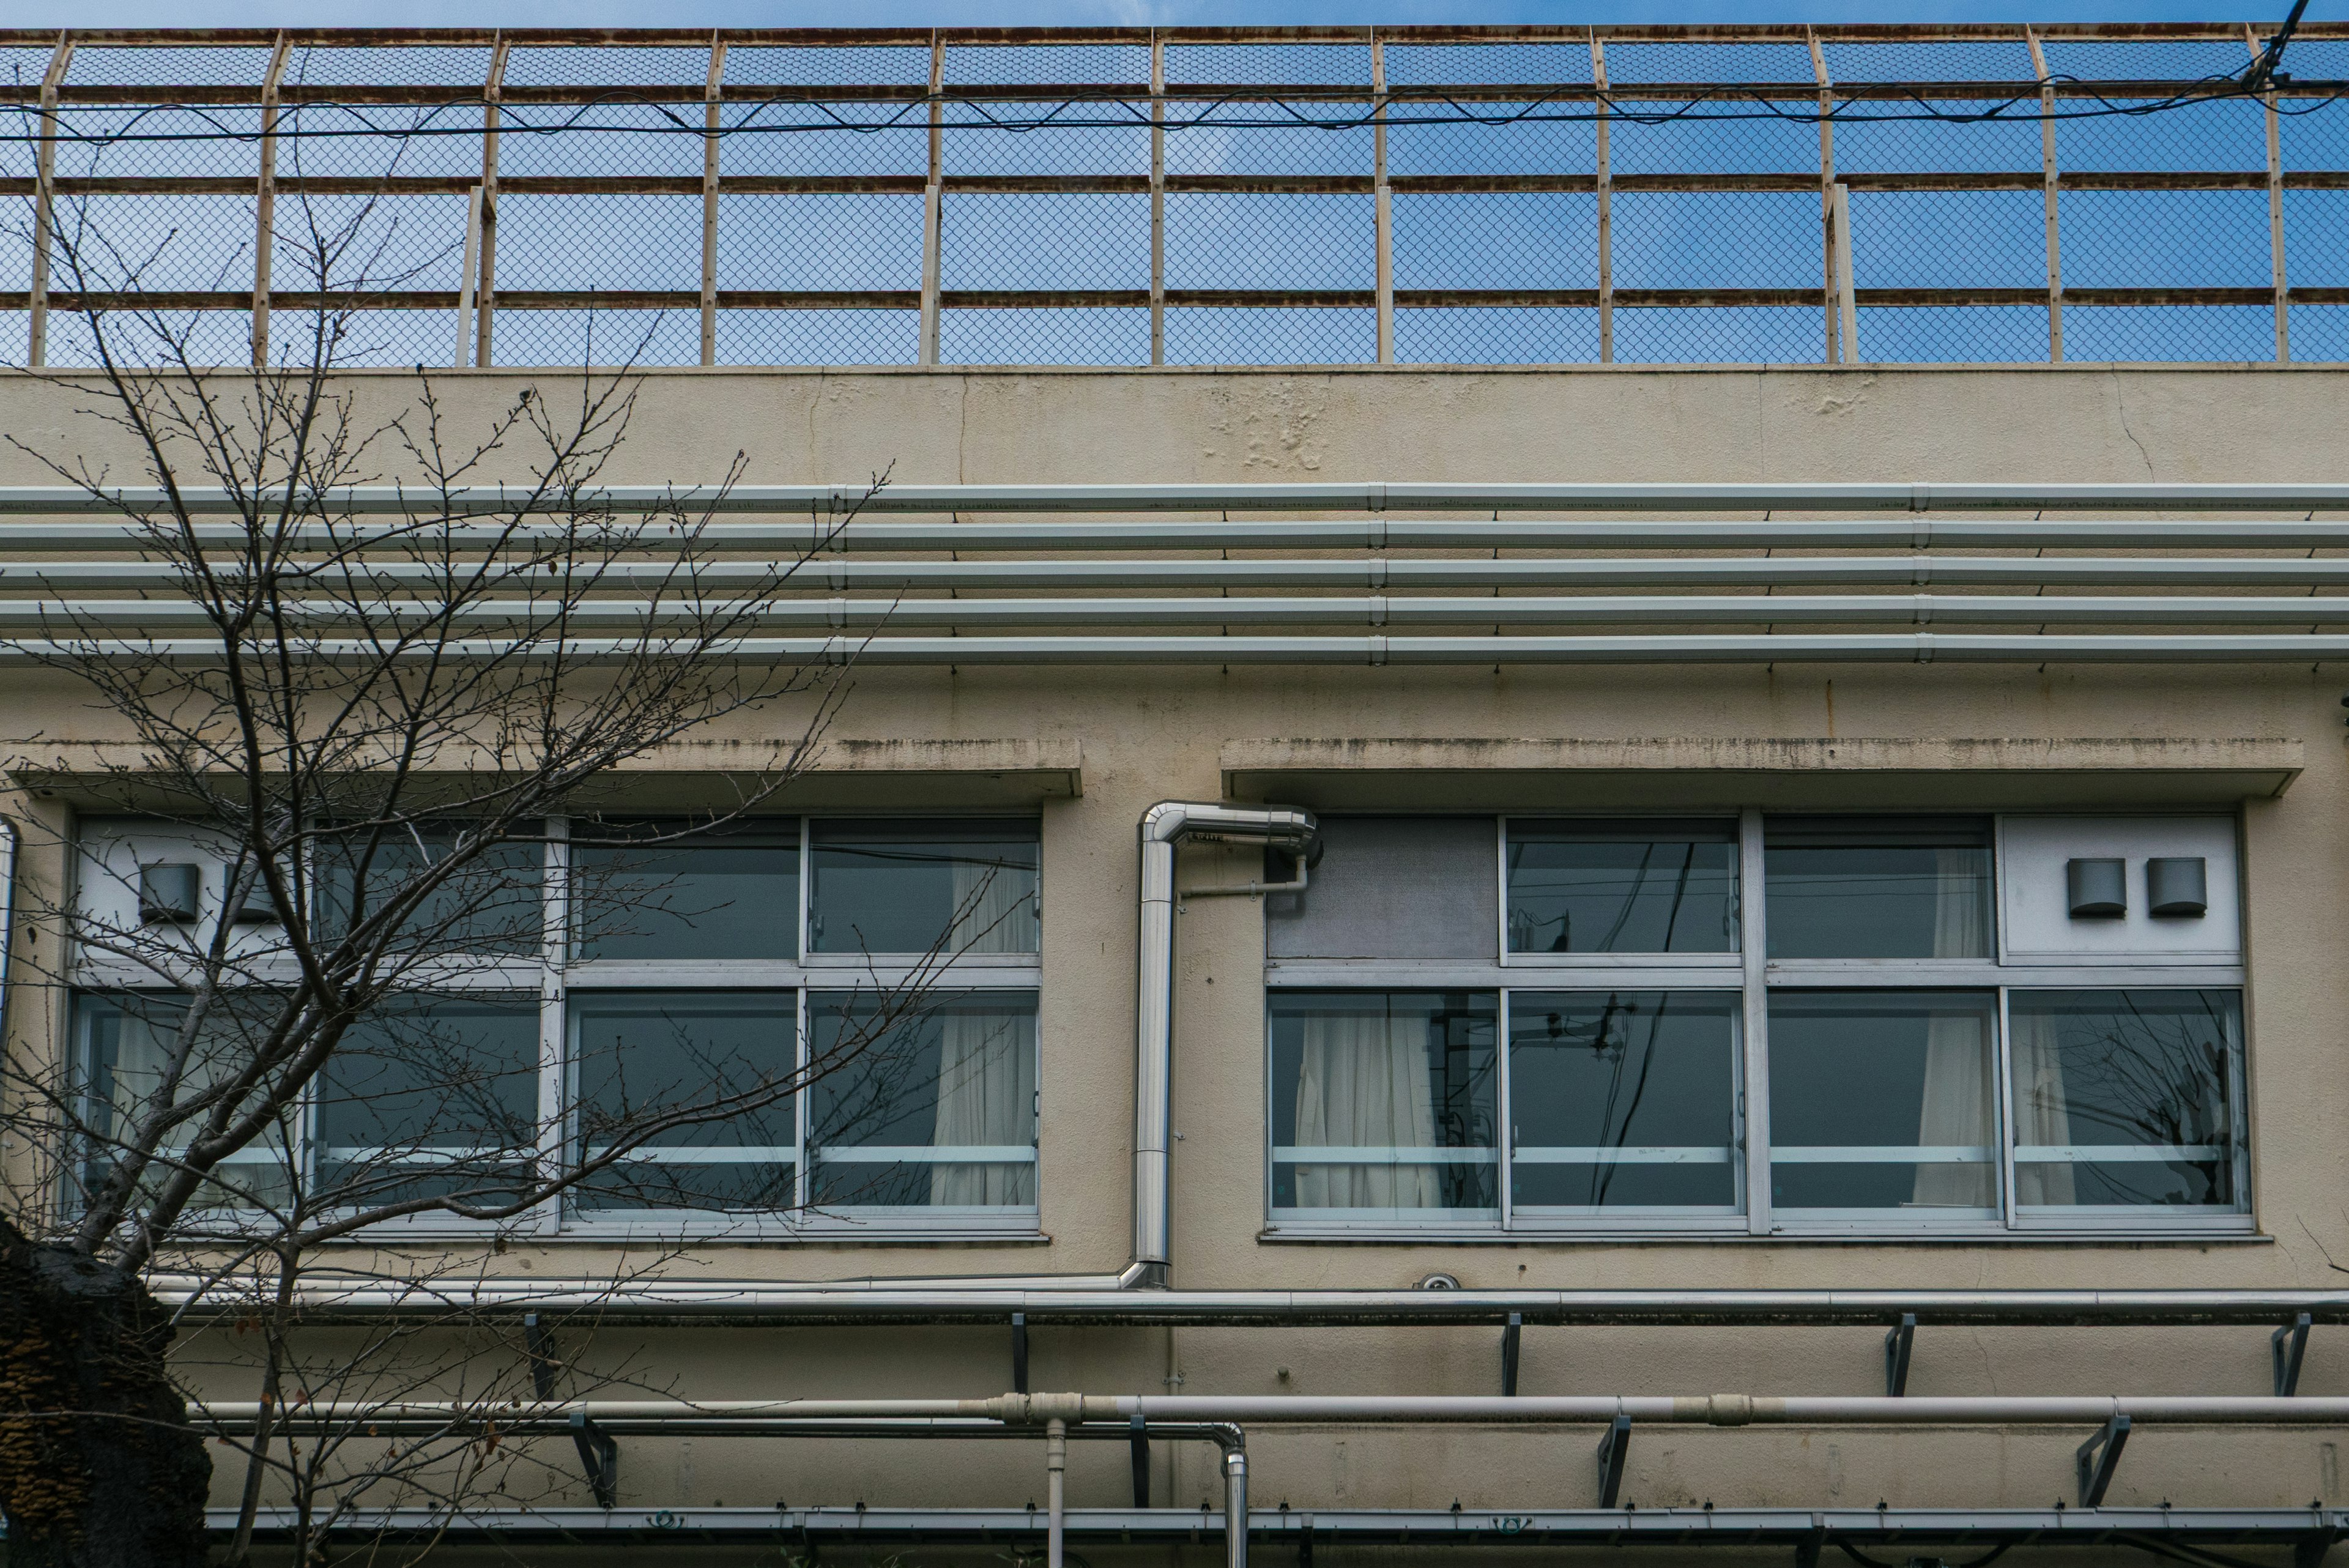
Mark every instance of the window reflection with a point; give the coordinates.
(639, 1055)
(1635, 885)
(961, 889)
(732, 893)
(428, 1097)
(2125, 1098)
(931, 1104)
(1623, 1099)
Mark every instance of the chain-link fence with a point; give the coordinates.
(1526, 195)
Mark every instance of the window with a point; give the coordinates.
(126, 1044)
(1781, 1025)
(813, 1028)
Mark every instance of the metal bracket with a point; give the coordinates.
(2288, 1347)
(538, 1344)
(2098, 1458)
(600, 1457)
(1020, 1353)
(1305, 1545)
(1509, 1337)
(2309, 1551)
(1612, 1449)
(1897, 1345)
(1141, 1440)
(1806, 1550)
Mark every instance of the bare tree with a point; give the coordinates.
(363, 717)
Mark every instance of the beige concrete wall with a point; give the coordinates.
(1147, 735)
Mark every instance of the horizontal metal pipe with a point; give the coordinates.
(1031, 1410)
(1918, 648)
(1372, 497)
(1379, 532)
(75, 617)
(1071, 1301)
(762, 577)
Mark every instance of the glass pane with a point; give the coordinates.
(901, 1084)
(492, 903)
(428, 1097)
(130, 1044)
(1626, 886)
(1384, 1100)
(730, 893)
(917, 886)
(2126, 1097)
(1882, 1100)
(649, 1055)
(1882, 887)
(1623, 1099)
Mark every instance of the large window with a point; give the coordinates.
(804, 1026)
(1766, 1024)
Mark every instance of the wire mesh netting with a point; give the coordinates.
(1247, 196)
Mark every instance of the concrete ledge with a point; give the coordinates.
(1827, 771)
(843, 773)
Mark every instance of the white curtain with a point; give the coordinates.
(2043, 1113)
(144, 1037)
(1956, 1107)
(1362, 1083)
(987, 1095)
(993, 908)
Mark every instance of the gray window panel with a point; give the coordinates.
(959, 888)
(1395, 888)
(730, 893)
(490, 903)
(2125, 1098)
(1630, 885)
(1623, 1099)
(1878, 887)
(644, 1054)
(431, 1098)
(128, 1045)
(1884, 1100)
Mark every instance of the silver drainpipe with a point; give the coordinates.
(1164, 827)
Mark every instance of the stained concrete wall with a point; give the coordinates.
(1146, 735)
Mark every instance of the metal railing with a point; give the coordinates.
(1208, 196)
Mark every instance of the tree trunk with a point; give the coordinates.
(97, 1469)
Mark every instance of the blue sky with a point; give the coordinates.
(1096, 13)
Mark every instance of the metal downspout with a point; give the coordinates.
(1164, 827)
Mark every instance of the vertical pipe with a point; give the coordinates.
(485, 290)
(1056, 1467)
(933, 205)
(2047, 184)
(1235, 1508)
(1753, 946)
(1158, 199)
(2275, 214)
(1827, 193)
(44, 174)
(709, 112)
(1847, 308)
(1606, 207)
(264, 210)
(1382, 200)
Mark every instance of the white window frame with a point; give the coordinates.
(556, 972)
(1756, 977)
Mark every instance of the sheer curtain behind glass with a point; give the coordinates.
(1956, 1107)
(1362, 1083)
(987, 1097)
(993, 908)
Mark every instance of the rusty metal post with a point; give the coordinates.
(1606, 207)
(711, 106)
(1158, 198)
(2275, 214)
(264, 221)
(1382, 200)
(934, 205)
(44, 175)
(1835, 350)
(485, 288)
(2047, 183)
